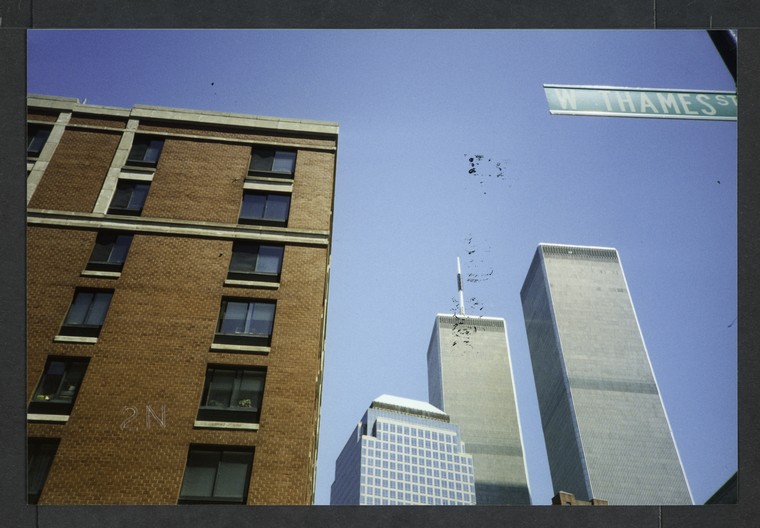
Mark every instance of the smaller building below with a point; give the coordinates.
(564, 498)
(404, 452)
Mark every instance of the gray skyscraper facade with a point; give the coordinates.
(606, 432)
(403, 452)
(470, 379)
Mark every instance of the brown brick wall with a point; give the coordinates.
(55, 257)
(101, 121)
(203, 180)
(74, 177)
(312, 190)
(198, 180)
(153, 350)
(154, 347)
(293, 365)
(51, 117)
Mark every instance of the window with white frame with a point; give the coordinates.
(59, 385)
(255, 262)
(265, 208)
(245, 322)
(145, 151)
(87, 313)
(129, 197)
(217, 475)
(232, 394)
(272, 162)
(110, 251)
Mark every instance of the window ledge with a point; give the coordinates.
(134, 173)
(34, 417)
(226, 425)
(240, 348)
(268, 185)
(251, 284)
(75, 339)
(104, 274)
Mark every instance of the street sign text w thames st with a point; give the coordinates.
(640, 102)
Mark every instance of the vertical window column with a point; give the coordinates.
(135, 177)
(119, 160)
(37, 168)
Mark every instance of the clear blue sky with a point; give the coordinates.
(412, 107)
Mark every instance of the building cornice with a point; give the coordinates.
(180, 115)
(140, 224)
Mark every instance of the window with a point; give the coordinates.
(245, 322)
(129, 197)
(58, 388)
(110, 251)
(145, 151)
(270, 162)
(251, 261)
(87, 313)
(265, 208)
(37, 136)
(216, 475)
(40, 454)
(232, 395)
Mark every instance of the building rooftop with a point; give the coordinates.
(572, 246)
(471, 318)
(206, 117)
(398, 403)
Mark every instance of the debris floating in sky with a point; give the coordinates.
(490, 169)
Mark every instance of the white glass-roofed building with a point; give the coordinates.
(403, 452)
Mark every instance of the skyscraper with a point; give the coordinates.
(178, 267)
(607, 435)
(470, 379)
(403, 452)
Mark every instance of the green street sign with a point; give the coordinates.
(640, 102)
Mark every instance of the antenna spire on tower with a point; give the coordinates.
(459, 286)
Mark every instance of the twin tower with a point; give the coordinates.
(606, 432)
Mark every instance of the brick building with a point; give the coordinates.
(178, 266)
(564, 498)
